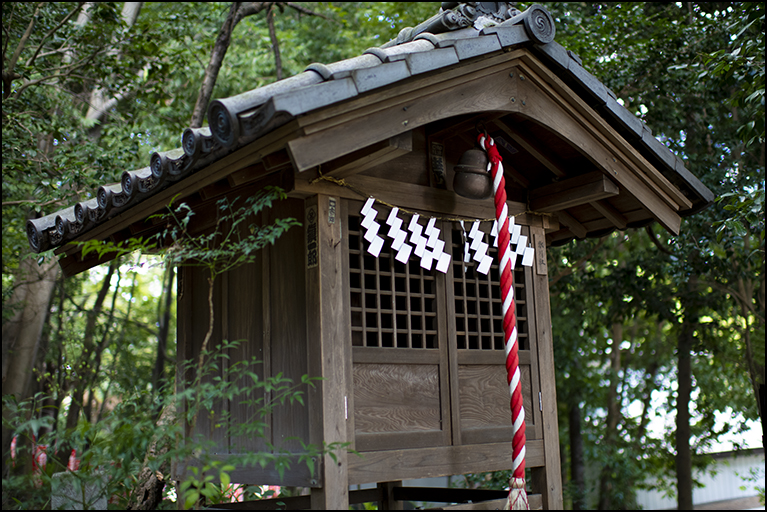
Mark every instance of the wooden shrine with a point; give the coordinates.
(411, 355)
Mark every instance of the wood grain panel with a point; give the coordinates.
(288, 322)
(485, 396)
(396, 398)
(384, 466)
(196, 291)
(245, 324)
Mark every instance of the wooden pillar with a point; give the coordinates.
(328, 348)
(546, 480)
(387, 501)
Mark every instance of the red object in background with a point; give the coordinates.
(74, 462)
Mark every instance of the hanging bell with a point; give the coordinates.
(471, 178)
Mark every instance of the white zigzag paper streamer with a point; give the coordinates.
(527, 253)
(371, 228)
(480, 248)
(398, 236)
(426, 243)
(437, 246)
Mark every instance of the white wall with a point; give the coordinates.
(724, 485)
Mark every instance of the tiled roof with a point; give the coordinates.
(236, 121)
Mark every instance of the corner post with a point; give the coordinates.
(547, 479)
(327, 347)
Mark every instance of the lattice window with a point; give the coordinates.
(392, 304)
(478, 305)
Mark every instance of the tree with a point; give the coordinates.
(90, 90)
(659, 60)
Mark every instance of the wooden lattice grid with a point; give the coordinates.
(394, 305)
(478, 304)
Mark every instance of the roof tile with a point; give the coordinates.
(371, 78)
(237, 120)
(508, 35)
(596, 94)
(468, 48)
(422, 62)
(633, 126)
(555, 53)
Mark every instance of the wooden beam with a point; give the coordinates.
(534, 500)
(278, 160)
(468, 125)
(408, 195)
(572, 192)
(515, 175)
(572, 224)
(546, 478)
(407, 94)
(384, 466)
(247, 174)
(370, 156)
(610, 213)
(631, 157)
(328, 352)
(551, 162)
(546, 107)
(486, 91)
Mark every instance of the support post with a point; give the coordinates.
(327, 347)
(387, 501)
(546, 480)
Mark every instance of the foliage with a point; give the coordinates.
(694, 72)
(117, 444)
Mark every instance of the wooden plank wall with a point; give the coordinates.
(262, 305)
(287, 306)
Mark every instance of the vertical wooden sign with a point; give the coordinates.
(312, 246)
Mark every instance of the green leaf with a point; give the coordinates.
(191, 499)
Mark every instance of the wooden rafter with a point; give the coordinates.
(572, 192)
(371, 156)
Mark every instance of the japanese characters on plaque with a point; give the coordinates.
(425, 243)
(311, 237)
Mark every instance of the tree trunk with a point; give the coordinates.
(158, 375)
(214, 66)
(577, 467)
(275, 42)
(606, 482)
(85, 366)
(98, 104)
(21, 334)
(147, 494)
(683, 458)
(237, 12)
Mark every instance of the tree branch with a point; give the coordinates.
(53, 30)
(275, 42)
(569, 270)
(740, 298)
(236, 13)
(30, 201)
(6, 32)
(655, 241)
(8, 72)
(304, 10)
(248, 9)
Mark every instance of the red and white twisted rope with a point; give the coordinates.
(517, 493)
